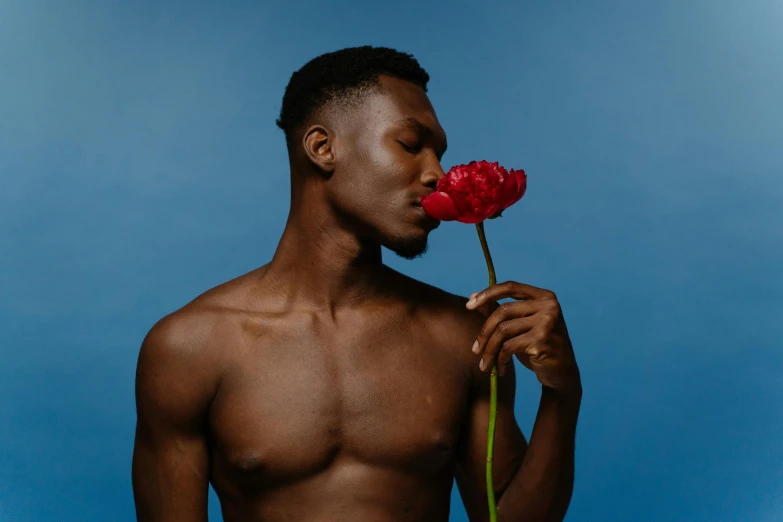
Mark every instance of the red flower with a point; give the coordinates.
(474, 192)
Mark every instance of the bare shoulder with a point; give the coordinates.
(184, 337)
(199, 328)
(182, 357)
(177, 372)
(445, 313)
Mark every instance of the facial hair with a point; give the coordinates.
(406, 247)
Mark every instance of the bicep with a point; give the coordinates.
(170, 469)
(509, 444)
(170, 476)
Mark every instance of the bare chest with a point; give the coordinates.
(288, 411)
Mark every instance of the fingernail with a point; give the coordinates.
(476, 347)
(481, 365)
(471, 301)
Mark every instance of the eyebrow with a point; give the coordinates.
(413, 122)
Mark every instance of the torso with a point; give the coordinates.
(355, 417)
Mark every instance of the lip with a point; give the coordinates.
(435, 223)
(417, 201)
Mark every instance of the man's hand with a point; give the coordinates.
(532, 328)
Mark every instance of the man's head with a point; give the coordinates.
(364, 140)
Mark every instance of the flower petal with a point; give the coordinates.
(474, 192)
(514, 188)
(491, 210)
(470, 219)
(521, 181)
(440, 206)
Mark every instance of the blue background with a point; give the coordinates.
(140, 165)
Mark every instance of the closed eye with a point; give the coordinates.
(412, 150)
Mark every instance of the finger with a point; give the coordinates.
(504, 312)
(510, 289)
(497, 347)
(519, 345)
(484, 309)
(504, 332)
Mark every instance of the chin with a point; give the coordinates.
(409, 247)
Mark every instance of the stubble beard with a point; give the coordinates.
(407, 247)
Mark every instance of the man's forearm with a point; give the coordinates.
(541, 489)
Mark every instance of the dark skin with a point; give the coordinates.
(325, 386)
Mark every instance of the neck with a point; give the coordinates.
(319, 264)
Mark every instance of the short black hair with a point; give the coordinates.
(341, 76)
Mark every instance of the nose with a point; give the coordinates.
(431, 175)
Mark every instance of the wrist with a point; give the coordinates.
(569, 398)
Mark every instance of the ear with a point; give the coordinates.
(318, 142)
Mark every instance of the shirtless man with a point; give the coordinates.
(325, 386)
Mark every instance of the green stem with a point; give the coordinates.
(493, 383)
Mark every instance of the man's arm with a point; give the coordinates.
(175, 384)
(510, 446)
(532, 482)
(532, 329)
(542, 487)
